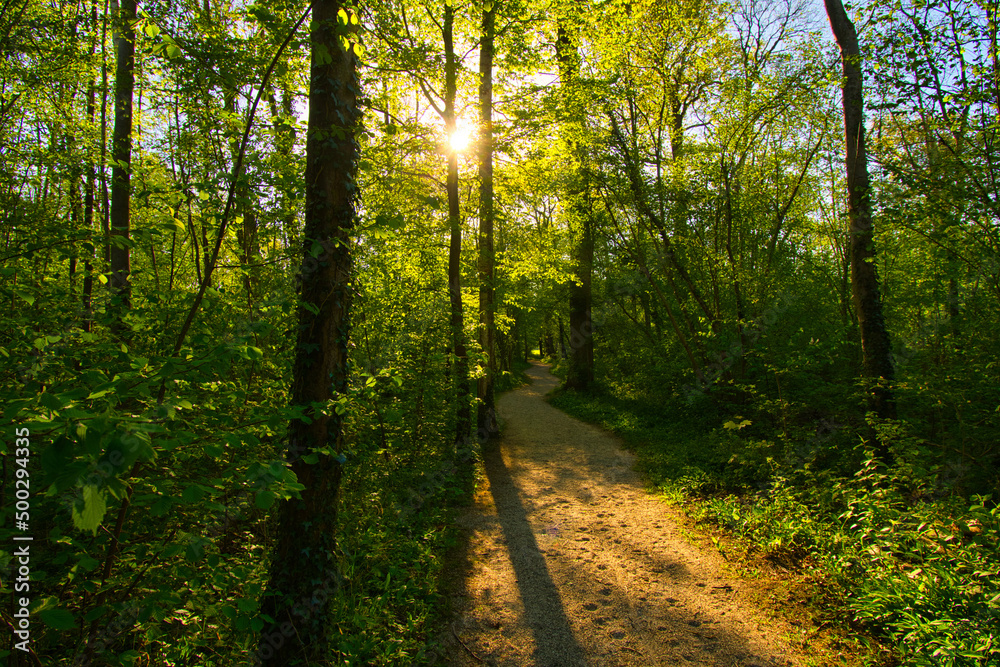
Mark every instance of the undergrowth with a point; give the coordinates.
(906, 553)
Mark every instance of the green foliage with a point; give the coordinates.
(726, 341)
(897, 548)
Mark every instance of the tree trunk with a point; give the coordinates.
(76, 218)
(741, 311)
(121, 155)
(463, 417)
(562, 339)
(304, 570)
(580, 373)
(485, 418)
(88, 206)
(877, 362)
(88, 264)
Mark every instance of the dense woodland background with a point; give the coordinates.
(668, 176)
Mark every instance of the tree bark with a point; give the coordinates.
(485, 418)
(876, 358)
(121, 155)
(562, 339)
(304, 570)
(88, 211)
(580, 373)
(463, 416)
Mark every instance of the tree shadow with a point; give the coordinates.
(555, 644)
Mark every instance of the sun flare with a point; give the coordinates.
(460, 139)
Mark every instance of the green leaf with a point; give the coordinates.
(173, 550)
(58, 619)
(193, 493)
(194, 551)
(88, 564)
(161, 506)
(264, 499)
(51, 402)
(96, 613)
(25, 295)
(88, 514)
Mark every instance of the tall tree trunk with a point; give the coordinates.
(562, 339)
(304, 569)
(88, 264)
(580, 373)
(877, 362)
(741, 311)
(485, 418)
(88, 205)
(121, 155)
(76, 217)
(463, 417)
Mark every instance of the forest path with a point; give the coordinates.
(570, 562)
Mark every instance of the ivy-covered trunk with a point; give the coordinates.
(304, 572)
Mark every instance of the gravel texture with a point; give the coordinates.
(568, 561)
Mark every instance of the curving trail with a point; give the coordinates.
(570, 562)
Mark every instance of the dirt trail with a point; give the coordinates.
(569, 562)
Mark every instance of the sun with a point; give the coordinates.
(460, 139)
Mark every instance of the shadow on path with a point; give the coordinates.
(574, 564)
(555, 645)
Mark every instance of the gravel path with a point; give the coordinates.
(570, 562)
